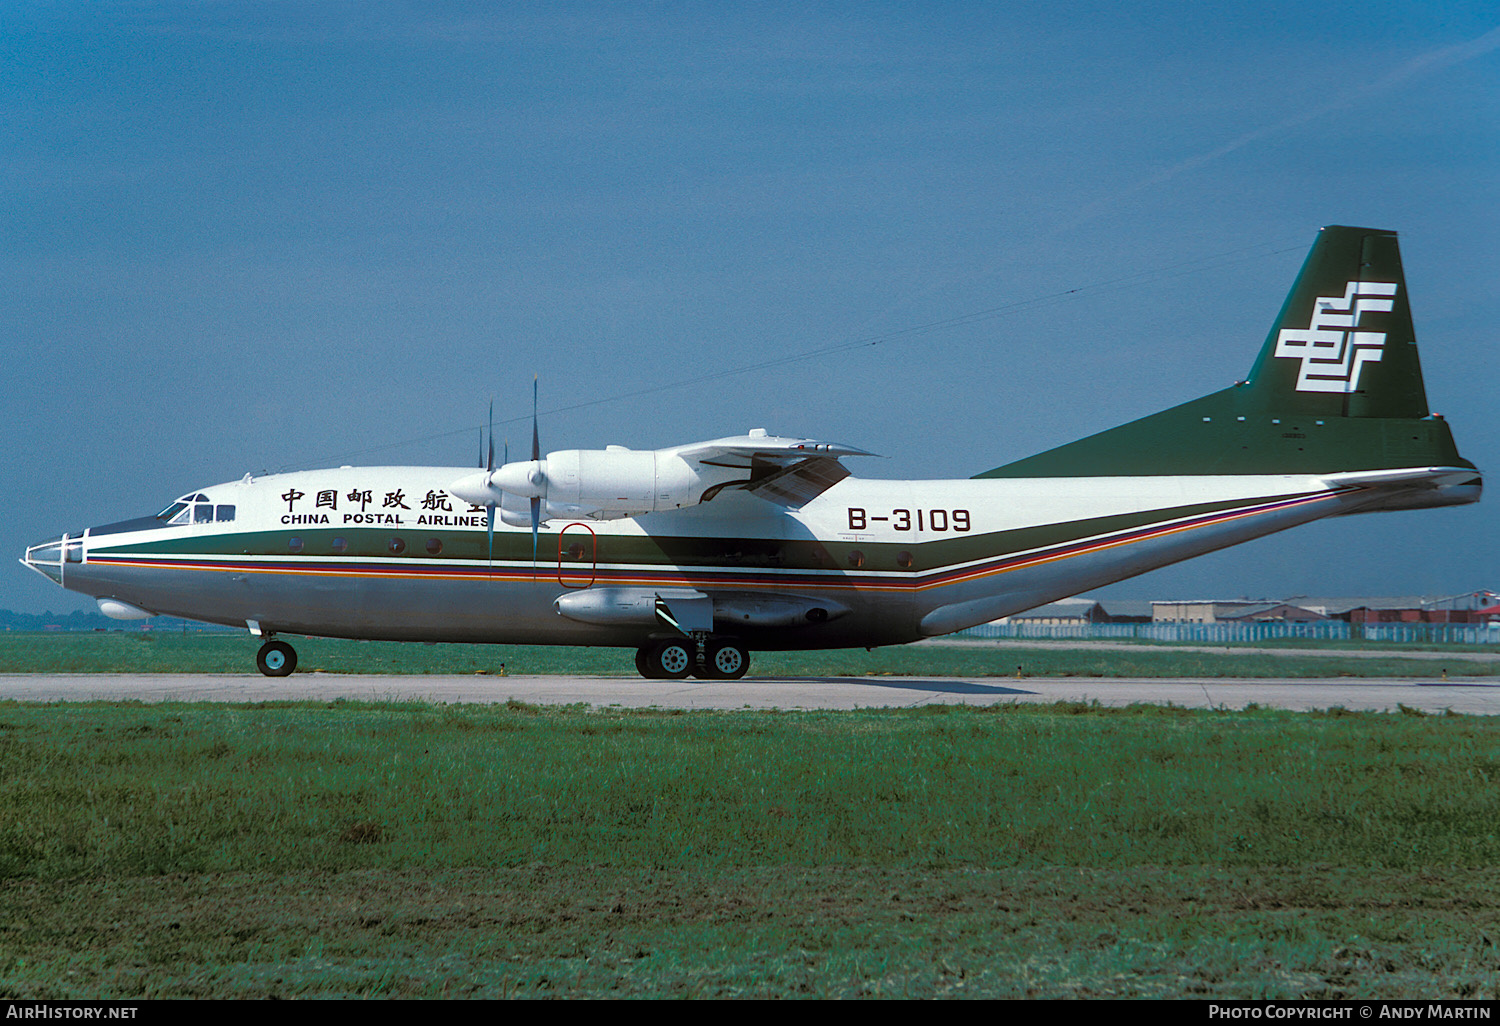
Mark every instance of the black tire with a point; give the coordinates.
(276, 659)
(643, 662)
(727, 660)
(671, 660)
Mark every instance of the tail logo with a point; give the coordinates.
(1331, 351)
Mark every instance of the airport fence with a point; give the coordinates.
(1228, 633)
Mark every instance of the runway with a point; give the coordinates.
(1471, 695)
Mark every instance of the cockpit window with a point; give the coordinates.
(195, 509)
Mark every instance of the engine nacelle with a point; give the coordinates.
(594, 484)
(619, 480)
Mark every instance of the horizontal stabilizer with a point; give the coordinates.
(1412, 488)
(1437, 477)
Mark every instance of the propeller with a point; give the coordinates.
(486, 486)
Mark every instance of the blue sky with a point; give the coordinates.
(244, 237)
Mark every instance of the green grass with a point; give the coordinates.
(194, 652)
(349, 849)
(1328, 644)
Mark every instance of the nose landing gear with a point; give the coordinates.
(276, 659)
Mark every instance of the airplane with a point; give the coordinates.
(697, 555)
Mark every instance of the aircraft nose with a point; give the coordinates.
(47, 558)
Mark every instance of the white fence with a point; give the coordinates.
(1224, 633)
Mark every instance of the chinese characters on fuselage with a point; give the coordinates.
(358, 500)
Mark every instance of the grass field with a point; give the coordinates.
(194, 652)
(346, 849)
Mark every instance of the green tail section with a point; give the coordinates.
(1337, 387)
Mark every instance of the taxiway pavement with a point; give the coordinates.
(1474, 696)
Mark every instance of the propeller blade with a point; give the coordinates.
(488, 459)
(536, 522)
(490, 465)
(536, 454)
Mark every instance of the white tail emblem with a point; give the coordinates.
(1332, 353)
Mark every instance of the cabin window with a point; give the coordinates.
(903, 560)
(856, 559)
(397, 546)
(294, 544)
(203, 513)
(340, 544)
(223, 514)
(434, 546)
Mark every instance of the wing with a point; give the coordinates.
(608, 484)
(788, 471)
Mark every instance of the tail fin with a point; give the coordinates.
(1337, 387)
(1347, 312)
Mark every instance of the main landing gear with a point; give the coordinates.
(673, 659)
(676, 658)
(276, 659)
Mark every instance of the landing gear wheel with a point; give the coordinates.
(727, 660)
(670, 660)
(643, 661)
(276, 659)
